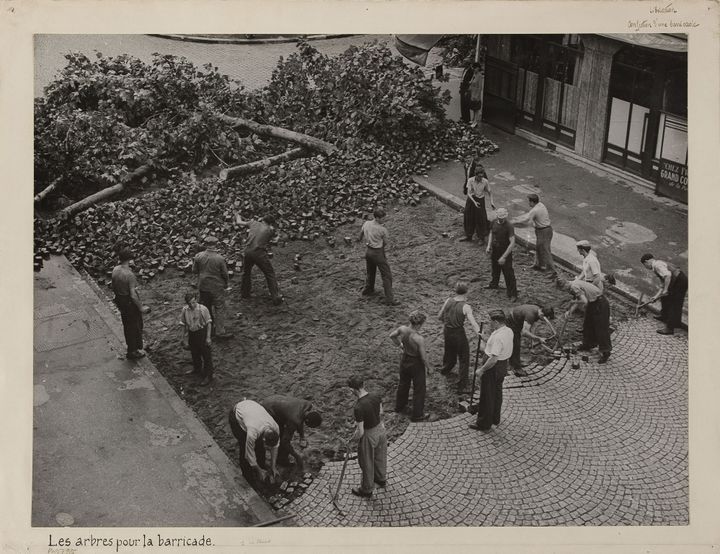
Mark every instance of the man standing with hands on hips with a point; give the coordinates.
(375, 236)
(540, 219)
(492, 373)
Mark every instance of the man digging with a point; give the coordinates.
(256, 254)
(256, 432)
(521, 319)
(291, 414)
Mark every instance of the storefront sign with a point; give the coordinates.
(673, 181)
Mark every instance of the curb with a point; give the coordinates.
(628, 293)
(276, 40)
(256, 505)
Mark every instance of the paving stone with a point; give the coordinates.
(603, 445)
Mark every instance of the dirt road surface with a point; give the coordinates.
(326, 330)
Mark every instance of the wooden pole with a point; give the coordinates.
(278, 132)
(259, 165)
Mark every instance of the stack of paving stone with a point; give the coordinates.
(289, 491)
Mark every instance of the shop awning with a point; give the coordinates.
(658, 41)
(416, 47)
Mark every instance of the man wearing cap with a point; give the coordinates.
(591, 266)
(500, 247)
(256, 431)
(260, 233)
(375, 236)
(453, 314)
(124, 285)
(521, 319)
(212, 283)
(540, 219)
(291, 414)
(197, 329)
(492, 373)
(671, 294)
(596, 323)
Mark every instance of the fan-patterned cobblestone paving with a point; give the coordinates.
(598, 445)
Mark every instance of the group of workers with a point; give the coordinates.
(268, 426)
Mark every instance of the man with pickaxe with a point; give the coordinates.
(671, 294)
(521, 319)
(371, 437)
(492, 373)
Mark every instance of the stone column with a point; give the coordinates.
(594, 88)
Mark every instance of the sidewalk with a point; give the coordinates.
(620, 222)
(113, 445)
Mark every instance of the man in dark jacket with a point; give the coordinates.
(291, 414)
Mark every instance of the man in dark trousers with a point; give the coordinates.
(540, 219)
(501, 243)
(453, 314)
(197, 329)
(371, 437)
(413, 365)
(492, 373)
(521, 319)
(256, 432)
(291, 414)
(375, 236)
(212, 282)
(596, 323)
(124, 285)
(256, 254)
(671, 294)
(465, 92)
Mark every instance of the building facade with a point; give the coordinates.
(615, 99)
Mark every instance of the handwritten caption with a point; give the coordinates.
(68, 545)
(666, 18)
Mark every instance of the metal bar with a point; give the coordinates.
(274, 521)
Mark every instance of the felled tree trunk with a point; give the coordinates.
(40, 196)
(90, 200)
(259, 165)
(278, 132)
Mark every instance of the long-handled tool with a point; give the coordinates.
(640, 305)
(342, 476)
(472, 408)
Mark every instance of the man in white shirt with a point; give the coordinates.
(671, 294)
(256, 431)
(540, 219)
(375, 236)
(492, 373)
(591, 272)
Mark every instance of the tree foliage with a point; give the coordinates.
(386, 118)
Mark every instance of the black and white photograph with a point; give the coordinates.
(335, 280)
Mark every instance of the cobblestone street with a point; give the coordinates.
(592, 446)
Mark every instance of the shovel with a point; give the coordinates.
(472, 408)
(342, 476)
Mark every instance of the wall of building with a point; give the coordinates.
(594, 85)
